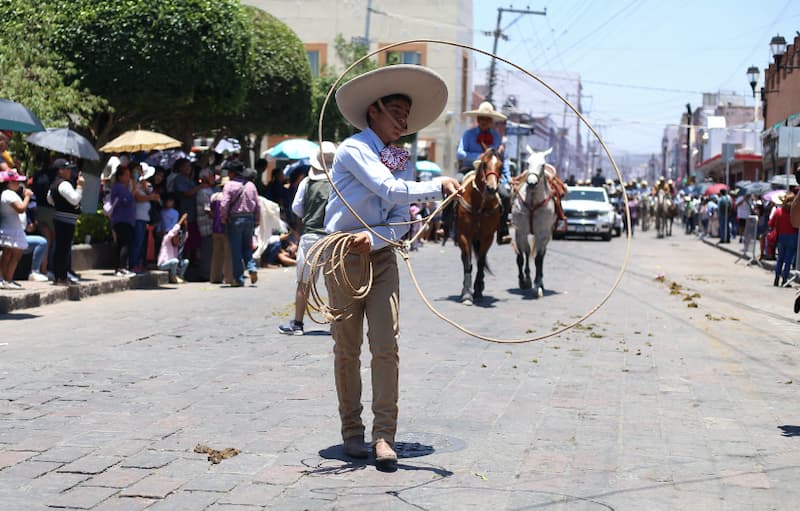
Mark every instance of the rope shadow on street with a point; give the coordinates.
(405, 450)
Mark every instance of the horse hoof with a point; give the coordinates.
(540, 292)
(466, 301)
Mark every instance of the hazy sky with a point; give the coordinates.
(640, 61)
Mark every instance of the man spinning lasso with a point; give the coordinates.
(376, 179)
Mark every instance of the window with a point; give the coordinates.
(413, 53)
(313, 60)
(403, 57)
(317, 57)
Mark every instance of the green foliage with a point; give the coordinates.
(163, 59)
(279, 95)
(94, 224)
(335, 127)
(34, 74)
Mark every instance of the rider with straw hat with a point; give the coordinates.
(375, 178)
(478, 139)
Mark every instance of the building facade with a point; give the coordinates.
(780, 100)
(381, 23)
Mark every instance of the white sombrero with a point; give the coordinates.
(427, 90)
(486, 109)
(326, 152)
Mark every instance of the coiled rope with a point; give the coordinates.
(328, 254)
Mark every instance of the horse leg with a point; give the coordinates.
(538, 285)
(479, 275)
(524, 278)
(523, 253)
(466, 262)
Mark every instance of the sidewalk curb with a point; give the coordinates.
(26, 299)
(767, 265)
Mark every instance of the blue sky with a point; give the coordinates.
(640, 61)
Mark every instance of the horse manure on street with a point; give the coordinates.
(216, 455)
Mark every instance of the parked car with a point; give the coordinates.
(588, 212)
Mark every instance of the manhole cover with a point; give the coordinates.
(414, 445)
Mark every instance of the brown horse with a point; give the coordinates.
(478, 213)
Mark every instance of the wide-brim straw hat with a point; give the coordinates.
(427, 90)
(486, 109)
(326, 151)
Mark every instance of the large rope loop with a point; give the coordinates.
(329, 253)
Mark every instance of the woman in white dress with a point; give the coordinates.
(12, 225)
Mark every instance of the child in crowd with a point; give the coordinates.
(169, 215)
(170, 257)
(281, 251)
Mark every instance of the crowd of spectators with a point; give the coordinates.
(164, 213)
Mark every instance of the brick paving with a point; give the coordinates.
(649, 404)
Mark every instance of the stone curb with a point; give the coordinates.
(728, 247)
(48, 294)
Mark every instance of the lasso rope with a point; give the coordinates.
(329, 253)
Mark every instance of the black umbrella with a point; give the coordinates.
(64, 141)
(15, 117)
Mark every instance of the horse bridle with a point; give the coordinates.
(483, 169)
(532, 209)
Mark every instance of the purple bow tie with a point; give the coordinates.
(394, 158)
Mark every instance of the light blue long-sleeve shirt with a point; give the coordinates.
(470, 150)
(379, 195)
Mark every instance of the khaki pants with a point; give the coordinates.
(381, 309)
(221, 259)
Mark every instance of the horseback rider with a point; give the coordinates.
(474, 142)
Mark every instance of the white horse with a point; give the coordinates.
(533, 213)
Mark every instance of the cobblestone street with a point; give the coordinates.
(648, 404)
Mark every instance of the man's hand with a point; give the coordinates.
(80, 179)
(361, 244)
(450, 186)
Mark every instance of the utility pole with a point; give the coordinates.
(498, 33)
(688, 141)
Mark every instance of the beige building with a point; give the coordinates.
(384, 22)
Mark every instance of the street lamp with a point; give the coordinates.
(752, 75)
(777, 46)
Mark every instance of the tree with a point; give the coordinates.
(279, 94)
(171, 63)
(335, 127)
(36, 76)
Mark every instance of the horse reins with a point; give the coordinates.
(532, 209)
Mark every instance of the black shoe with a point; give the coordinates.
(797, 304)
(775, 282)
(356, 448)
